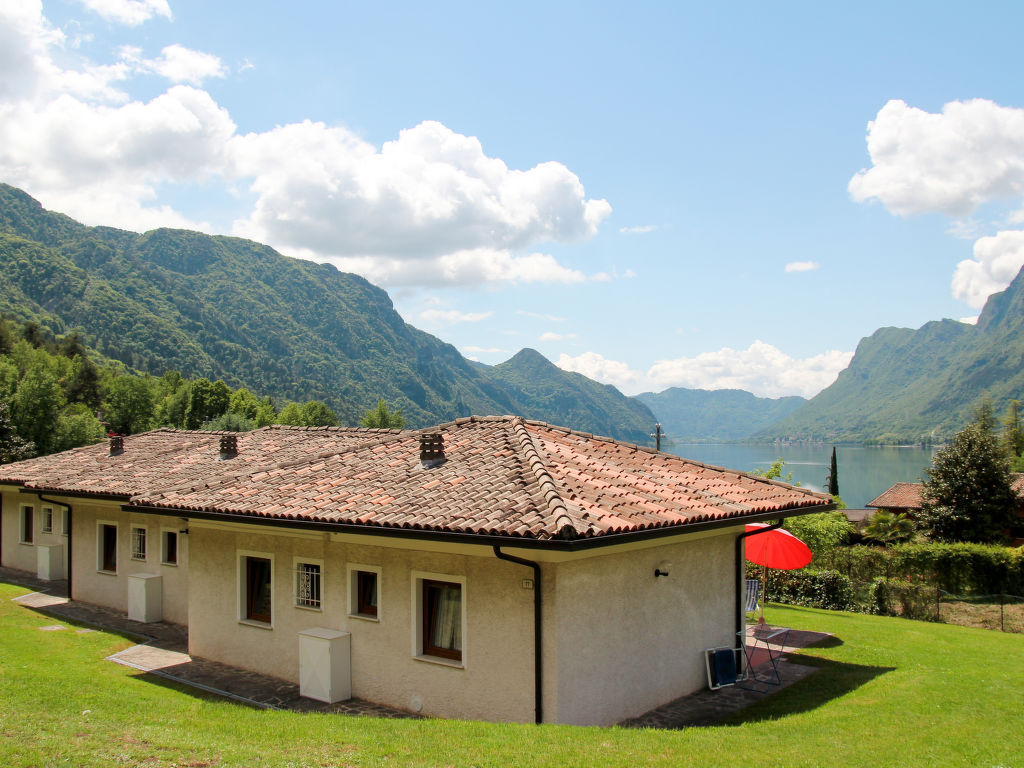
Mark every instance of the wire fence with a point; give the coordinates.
(1001, 612)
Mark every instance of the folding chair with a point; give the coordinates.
(753, 594)
(722, 667)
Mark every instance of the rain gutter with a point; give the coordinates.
(538, 645)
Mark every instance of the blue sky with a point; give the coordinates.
(664, 194)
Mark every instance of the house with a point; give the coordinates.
(906, 498)
(489, 568)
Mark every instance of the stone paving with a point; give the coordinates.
(162, 651)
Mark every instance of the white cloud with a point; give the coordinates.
(552, 336)
(973, 320)
(129, 12)
(637, 230)
(801, 266)
(438, 317)
(539, 316)
(594, 366)
(997, 260)
(761, 369)
(427, 208)
(184, 65)
(949, 163)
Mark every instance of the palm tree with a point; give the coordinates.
(888, 528)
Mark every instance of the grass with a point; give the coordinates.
(889, 691)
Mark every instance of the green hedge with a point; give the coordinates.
(812, 588)
(962, 569)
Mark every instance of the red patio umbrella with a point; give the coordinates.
(776, 548)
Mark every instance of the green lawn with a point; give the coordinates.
(890, 692)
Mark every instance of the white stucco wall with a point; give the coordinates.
(494, 681)
(627, 641)
(14, 554)
(92, 585)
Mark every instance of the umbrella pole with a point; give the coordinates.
(764, 597)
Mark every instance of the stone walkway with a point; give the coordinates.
(162, 651)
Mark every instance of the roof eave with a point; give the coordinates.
(555, 544)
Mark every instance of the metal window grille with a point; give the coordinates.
(47, 520)
(307, 585)
(138, 543)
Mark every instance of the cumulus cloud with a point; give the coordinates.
(949, 163)
(128, 12)
(427, 208)
(599, 368)
(637, 230)
(801, 266)
(997, 260)
(761, 369)
(184, 65)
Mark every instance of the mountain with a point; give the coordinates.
(724, 414)
(904, 385)
(228, 308)
(551, 392)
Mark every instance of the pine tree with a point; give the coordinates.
(833, 476)
(968, 495)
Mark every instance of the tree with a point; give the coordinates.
(207, 401)
(77, 426)
(832, 482)
(967, 495)
(309, 414)
(888, 528)
(129, 404)
(229, 421)
(245, 404)
(820, 532)
(83, 385)
(12, 446)
(1013, 433)
(35, 407)
(381, 418)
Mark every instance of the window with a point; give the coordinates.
(256, 589)
(138, 543)
(27, 520)
(47, 519)
(65, 521)
(169, 548)
(107, 547)
(307, 585)
(441, 605)
(364, 591)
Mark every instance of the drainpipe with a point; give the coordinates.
(538, 646)
(67, 511)
(740, 580)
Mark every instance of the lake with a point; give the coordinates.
(864, 471)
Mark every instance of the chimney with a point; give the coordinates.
(228, 447)
(116, 445)
(431, 450)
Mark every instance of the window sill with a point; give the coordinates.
(365, 617)
(138, 559)
(106, 573)
(440, 661)
(310, 608)
(170, 565)
(28, 543)
(256, 624)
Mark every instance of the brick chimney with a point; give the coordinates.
(116, 445)
(228, 447)
(431, 449)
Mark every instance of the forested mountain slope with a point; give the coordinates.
(905, 385)
(722, 414)
(231, 309)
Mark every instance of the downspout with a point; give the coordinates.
(538, 646)
(67, 511)
(741, 582)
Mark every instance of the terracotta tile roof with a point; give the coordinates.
(501, 476)
(166, 457)
(908, 495)
(900, 496)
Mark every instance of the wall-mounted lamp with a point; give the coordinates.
(663, 568)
